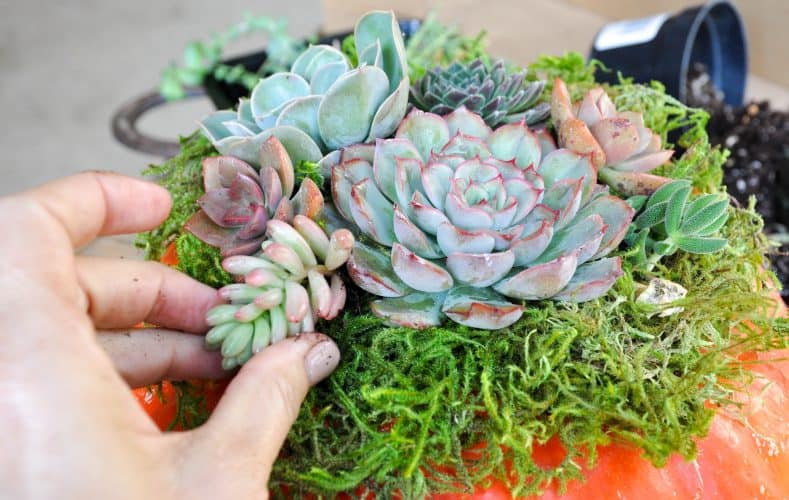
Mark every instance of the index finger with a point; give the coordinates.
(95, 204)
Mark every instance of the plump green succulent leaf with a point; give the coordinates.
(372, 212)
(631, 183)
(387, 152)
(418, 273)
(467, 123)
(652, 216)
(564, 164)
(591, 280)
(371, 269)
(415, 310)
(480, 270)
(698, 244)
(617, 216)
(665, 192)
(275, 91)
(347, 110)
(675, 208)
(480, 308)
(582, 237)
(541, 281)
(325, 77)
(302, 113)
(426, 131)
(390, 113)
(515, 142)
(314, 58)
(715, 225)
(702, 213)
(381, 27)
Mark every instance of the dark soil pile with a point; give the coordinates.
(758, 138)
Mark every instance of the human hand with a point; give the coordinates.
(71, 428)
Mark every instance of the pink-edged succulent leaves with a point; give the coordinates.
(621, 147)
(322, 103)
(283, 290)
(463, 219)
(239, 200)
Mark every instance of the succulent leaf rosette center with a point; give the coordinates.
(474, 217)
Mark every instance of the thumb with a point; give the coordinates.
(261, 404)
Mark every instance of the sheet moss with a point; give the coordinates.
(404, 407)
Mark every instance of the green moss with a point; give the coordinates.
(403, 405)
(201, 261)
(309, 169)
(404, 401)
(572, 68)
(435, 44)
(182, 175)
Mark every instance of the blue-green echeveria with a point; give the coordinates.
(459, 219)
(322, 104)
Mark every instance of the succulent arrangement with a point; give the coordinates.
(498, 271)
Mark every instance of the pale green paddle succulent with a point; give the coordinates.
(286, 288)
(322, 104)
(462, 218)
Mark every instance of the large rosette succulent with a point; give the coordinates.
(322, 104)
(239, 200)
(461, 219)
(622, 148)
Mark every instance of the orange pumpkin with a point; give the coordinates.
(744, 455)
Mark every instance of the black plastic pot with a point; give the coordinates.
(665, 47)
(224, 95)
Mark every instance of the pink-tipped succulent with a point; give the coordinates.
(463, 218)
(621, 147)
(239, 200)
(284, 290)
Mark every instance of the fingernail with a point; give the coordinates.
(321, 360)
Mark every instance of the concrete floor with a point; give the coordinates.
(66, 66)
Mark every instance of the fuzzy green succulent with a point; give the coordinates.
(461, 218)
(671, 220)
(286, 288)
(490, 91)
(322, 103)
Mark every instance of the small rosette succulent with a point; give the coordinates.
(284, 290)
(322, 104)
(497, 96)
(239, 201)
(622, 148)
(462, 219)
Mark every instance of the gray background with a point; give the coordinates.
(66, 66)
